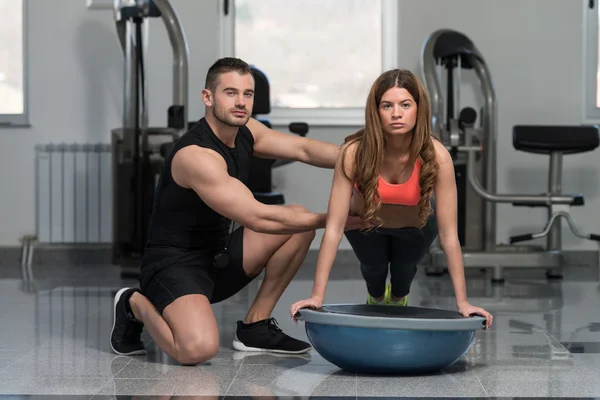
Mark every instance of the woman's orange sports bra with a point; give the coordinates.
(405, 194)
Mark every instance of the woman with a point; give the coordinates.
(388, 173)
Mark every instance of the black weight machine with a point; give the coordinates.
(475, 151)
(136, 147)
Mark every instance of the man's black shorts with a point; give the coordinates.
(163, 284)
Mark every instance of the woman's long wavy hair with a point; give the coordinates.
(371, 143)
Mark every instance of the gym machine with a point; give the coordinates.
(137, 160)
(474, 150)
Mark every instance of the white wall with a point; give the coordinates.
(75, 94)
(75, 80)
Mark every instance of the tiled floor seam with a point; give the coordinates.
(111, 379)
(482, 387)
(234, 377)
(19, 358)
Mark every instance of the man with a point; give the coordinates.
(192, 258)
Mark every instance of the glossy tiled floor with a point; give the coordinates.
(54, 341)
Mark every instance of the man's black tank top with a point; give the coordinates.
(183, 227)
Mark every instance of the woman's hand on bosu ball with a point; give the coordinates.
(313, 302)
(466, 310)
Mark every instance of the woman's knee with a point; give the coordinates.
(374, 270)
(407, 259)
(198, 350)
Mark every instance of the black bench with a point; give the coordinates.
(555, 141)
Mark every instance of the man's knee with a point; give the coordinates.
(198, 350)
(194, 328)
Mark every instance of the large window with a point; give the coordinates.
(13, 110)
(320, 56)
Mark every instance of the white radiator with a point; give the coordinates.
(73, 193)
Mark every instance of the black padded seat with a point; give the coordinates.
(272, 198)
(166, 148)
(262, 92)
(546, 139)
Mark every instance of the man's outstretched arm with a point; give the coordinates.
(206, 173)
(269, 143)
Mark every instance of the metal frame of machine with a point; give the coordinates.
(454, 51)
(136, 147)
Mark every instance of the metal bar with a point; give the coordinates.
(432, 85)
(62, 191)
(37, 189)
(74, 149)
(87, 195)
(99, 153)
(127, 40)
(510, 198)
(554, 240)
(50, 196)
(180, 56)
(489, 139)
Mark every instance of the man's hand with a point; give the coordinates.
(354, 222)
(313, 303)
(466, 310)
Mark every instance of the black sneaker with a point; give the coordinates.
(266, 336)
(125, 338)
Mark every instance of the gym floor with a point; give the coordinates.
(54, 341)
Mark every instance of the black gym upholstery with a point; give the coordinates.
(262, 92)
(259, 181)
(546, 139)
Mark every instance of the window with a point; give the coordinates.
(320, 56)
(13, 109)
(592, 83)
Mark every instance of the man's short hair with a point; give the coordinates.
(222, 66)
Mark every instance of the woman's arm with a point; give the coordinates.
(446, 213)
(337, 213)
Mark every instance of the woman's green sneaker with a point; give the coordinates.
(388, 297)
(371, 300)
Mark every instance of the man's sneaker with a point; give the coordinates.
(125, 338)
(266, 336)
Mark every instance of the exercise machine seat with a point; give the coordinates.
(259, 180)
(262, 92)
(270, 198)
(166, 148)
(546, 139)
(451, 44)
